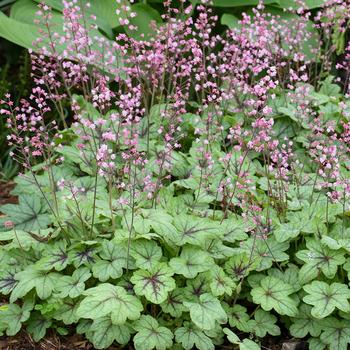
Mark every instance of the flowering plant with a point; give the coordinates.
(186, 190)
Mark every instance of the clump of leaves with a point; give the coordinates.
(176, 214)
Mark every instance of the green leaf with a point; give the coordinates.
(54, 257)
(245, 344)
(239, 265)
(336, 334)
(318, 258)
(238, 317)
(67, 312)
(74, 285)
(191, 261)
(232, 337)
(206, 312)
(310, 4)
(161, 222)
(29, 215)
(146, 253)
(173, 304)
(274, 294)
(286, 232)
(22, 34)
(266, 250)
(42, 281)
(234, 229)
(238, 3)
(107, 299)
(290, 276)
(114, 259)
(196, 287)
(154, 284)
(305, 324)
(193, 230)
(104, 333)
(13, 315)
(221, 284)
(189, 336)
(37, 326)
(145, 15)
(230, 20)
(248, 344)
(150, 335)
(7, 281)
(316, 344)
(264, 323)
(326, 298)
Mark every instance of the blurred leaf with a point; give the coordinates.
(145, 14)
(230, 20)
(237, 3)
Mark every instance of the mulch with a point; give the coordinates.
(52, 341)
(5, 195)
(23, 341)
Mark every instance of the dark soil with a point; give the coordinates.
(23, 341)
(5, 196)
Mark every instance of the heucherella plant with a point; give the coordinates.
(184, 190)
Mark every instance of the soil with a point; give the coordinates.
(23, 341)
(5, 196)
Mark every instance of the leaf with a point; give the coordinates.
(232, 337)
(326, 298)
(67, 312)
(310, 4)
(266, 250)
(221, 284)
(230, 20)
(145, 15)
(7, 281)
(107, 299)
(37, 326)
(234, 229)
(316, 344)
(238, 3)
(264, 323)
(42, 281)
(160, 221)
(318, 258)
(154, 284)
(239, 265)
(74, 285)
(305, 324)
(245, 344)
(104, 333)
(29, 215)
(54, 257)
(285, 232)
(146, 253)
(191, 261)
(196, 287)
(238, 317)
(114, 259)
(173, 304)
(336, 334)
(22, 34)
(189, 336)
(193, 230)
(150, 335)
(14, 316)
(248, 344)
(206, 312)
(274, 294)
(290, 276)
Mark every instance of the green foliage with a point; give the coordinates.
(177, 272)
